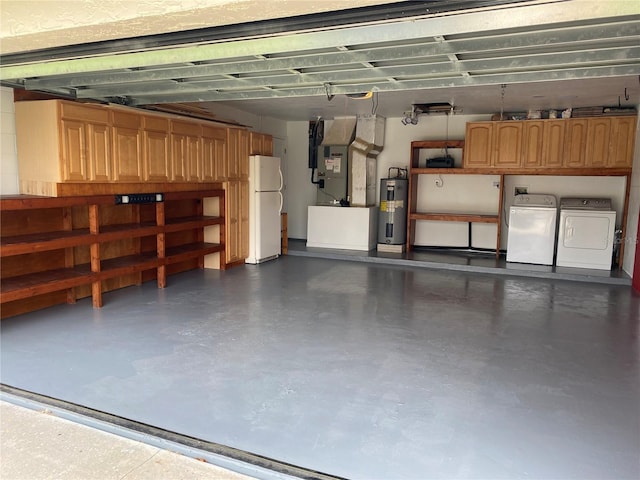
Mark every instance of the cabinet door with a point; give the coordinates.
(553, 143)
(232, 224)
(99, 152)
(255, 139)
(157, 158)
(532, 144)
(243, 155)
(267, 145)
(127, 154)
(623, 131)
(194, 160)
(575, 143)
(507, 144)
(244, 220)
(74, 161)
(597, 148)
(156, 149)
(178, 157)
(478, 146)
(233, 141)
(214, 153)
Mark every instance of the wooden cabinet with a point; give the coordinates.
(243, 217)
(260, 144)
(71, 243)
(597, 142)
(214, 153)
(532, 144)
(553, 143)
(478, 150)
(233, 153)
(243, 155)
(127, 147)
(574, 143)
(623, 133)
(232, 221)
(185, 150)
(86, 143)
(156, 149)
(507, 145)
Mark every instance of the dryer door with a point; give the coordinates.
(584, 231)
(585, 239)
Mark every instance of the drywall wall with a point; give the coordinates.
(631, 237)
(8, 156)
(300, 191)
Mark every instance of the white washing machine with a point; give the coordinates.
(586, 233)
(532, 229)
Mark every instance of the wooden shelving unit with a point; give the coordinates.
(47, 259)
(415, 171)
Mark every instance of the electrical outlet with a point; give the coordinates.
(520, 191)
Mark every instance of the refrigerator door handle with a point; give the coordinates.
(281, 180)
(281, 202)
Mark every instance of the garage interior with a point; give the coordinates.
(443, 361)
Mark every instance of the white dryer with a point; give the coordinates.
(586, 233)
(532, 229)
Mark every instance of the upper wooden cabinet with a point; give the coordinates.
(86, 143)
(156, 149)
(598, 142)
(185, 150)
(260, 144)
(478, 145)
(623, 133)
(214, 153)
(507, 145)
(237, 154)
(62, 142)
(127, 146)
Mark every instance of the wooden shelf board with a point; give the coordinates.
(188, 223)
(191, 250)
(116, 267)
(455, 217)
(215, 192)
(596, 172)
(42, 242)
(437, 144)
(122, 231)
(25, 286)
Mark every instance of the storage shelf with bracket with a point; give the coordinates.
(46, 256)
(415, 171)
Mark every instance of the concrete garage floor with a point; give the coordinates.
(358, 370)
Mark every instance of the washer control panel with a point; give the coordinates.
(535, 200)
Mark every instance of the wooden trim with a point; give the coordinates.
(70, 189)
(623, 224)
(455, 217)
(595, 172)
(500, 209)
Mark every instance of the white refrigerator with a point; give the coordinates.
(265, 205)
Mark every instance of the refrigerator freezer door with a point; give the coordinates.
(264, 229)
(265, 173)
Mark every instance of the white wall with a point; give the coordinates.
(300, 191)
(631, 238)
(470, 194)
(8, 155)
